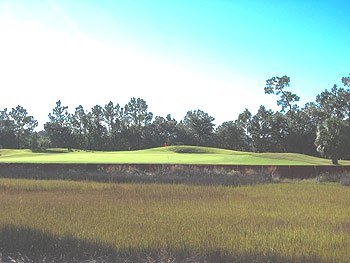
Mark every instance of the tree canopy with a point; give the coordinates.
(318, 128)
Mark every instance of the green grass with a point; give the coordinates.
(171, 155)
(291, 222)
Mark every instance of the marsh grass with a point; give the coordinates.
(342, 178)
(292, 222)
(176, 174)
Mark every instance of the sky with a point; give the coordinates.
(177, 55)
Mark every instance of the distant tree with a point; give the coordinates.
(260, 130)
(343, 103)
(244, 121)
(60, 114)
(232, 136)
(170, 129)
(161, 132)
(42, 141)
(268, 131)
(79, 124)
(7, 135)
(333, 139)
(59, 128)
(336, 102)
(136, 118)
(113, 118)
(200, 127)
(301, 131)
(346, 81)
(279, 132)
(23, 126)
(184, 136)
(136, 113)
(313, 112)
(277, 85)
(327, 103)
(97, 130)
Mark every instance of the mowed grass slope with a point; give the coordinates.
(292, 222)
(164, 155)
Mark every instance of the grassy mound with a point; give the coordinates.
(162, 155)
(194, 149)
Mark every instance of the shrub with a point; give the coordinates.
(173, 174)
(199, 176)
(342, 178)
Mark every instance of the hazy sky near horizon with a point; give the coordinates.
(178, 55)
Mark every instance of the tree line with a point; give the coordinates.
(318, 128)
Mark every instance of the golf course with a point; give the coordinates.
(174, 131)
(162, 155)
(86, 220)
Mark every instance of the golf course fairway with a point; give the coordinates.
(163, 155)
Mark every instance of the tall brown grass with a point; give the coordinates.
(63, 220)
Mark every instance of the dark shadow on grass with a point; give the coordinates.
(22, 244)
(35, 245)
(52, 150)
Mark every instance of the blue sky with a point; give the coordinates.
(178, 55)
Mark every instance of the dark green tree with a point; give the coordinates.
(279, 132)
(42, 141)
(59, 128)
(277, 85)
(343, 102)
(23, 126)
(231, 136)
(136, 113)
(113, 119)
(162, 131)
(136, 118)
(268, 131)
(97, 132)
(7, 135)
(184, 136)
(301, 131)
(200, 127)
(334, 104)
(346, 81)
(244, 121)
(260, 130)
(333, 139)
(79, 122)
